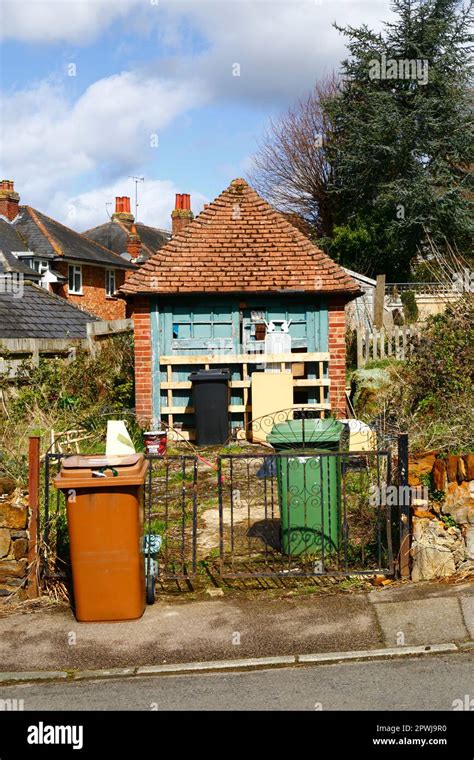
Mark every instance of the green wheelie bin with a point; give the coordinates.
(309, 485)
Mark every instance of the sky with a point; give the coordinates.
(179, 92)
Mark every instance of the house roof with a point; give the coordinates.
(114, 235)
(40, 314)
(239, 243)
(362, 278)
(47, 237)
(10, 241)
(9, 264)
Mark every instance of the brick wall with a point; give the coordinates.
(143, 359)
(13, 540)
(337, 350)
(93, 288)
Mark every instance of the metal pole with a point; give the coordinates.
(33, 504)
(404, 506)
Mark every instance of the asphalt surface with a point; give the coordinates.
(426, 683)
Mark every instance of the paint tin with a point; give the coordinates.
(155, 442)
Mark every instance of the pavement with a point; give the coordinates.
(239, 628)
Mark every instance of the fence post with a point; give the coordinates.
(33, 523)
(404, 506)
(360, 355)
(379, 300)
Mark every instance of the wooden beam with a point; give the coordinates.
(245, 358)
(33, 523)
(312, 383)
(184, 385)
(171, 410)
(109, 327)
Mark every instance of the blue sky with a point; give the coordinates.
(94, 91)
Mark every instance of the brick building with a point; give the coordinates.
(70, 265)
(209, 297)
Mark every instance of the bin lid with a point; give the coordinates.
(310, 433)
(100, 471)
(98, 461)
(209, 375)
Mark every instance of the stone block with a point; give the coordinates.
(4, 542)
(11, 568)
(439, 475)
(20, 548)
(13, 515)
(469, 466)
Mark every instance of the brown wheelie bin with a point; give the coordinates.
(105, 522)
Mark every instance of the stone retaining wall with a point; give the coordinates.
(443, 523)
(13, 540)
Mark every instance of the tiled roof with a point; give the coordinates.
(9, 264)
(10, 240)
(45, 236)
(113, 235)
(39, 314)
(239, 243)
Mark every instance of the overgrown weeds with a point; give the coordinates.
(62, 395)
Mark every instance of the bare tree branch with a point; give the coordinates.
(291, 168)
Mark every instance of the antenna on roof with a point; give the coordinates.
(136, 180)
(107, 209)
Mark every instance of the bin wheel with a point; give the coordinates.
(150, 589)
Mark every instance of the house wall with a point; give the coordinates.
(140, 311)
(93, 298)
(337, 350)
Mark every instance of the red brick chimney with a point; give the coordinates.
(9, 200)
(181, 215)
(134, 244)
(122, 211)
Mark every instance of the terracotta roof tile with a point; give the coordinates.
(239, 243)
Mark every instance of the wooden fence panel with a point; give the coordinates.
(373, 345)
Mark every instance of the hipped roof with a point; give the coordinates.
(239, 243)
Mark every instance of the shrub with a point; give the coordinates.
(441, 368)
(62, 395)
(410, 308)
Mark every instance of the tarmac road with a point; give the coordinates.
(425, 683)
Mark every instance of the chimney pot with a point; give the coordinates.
(182, 214)
(122, 210)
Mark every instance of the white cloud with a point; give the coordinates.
(77, 21)
(282, 46)
(108, 130)
(156, 201)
